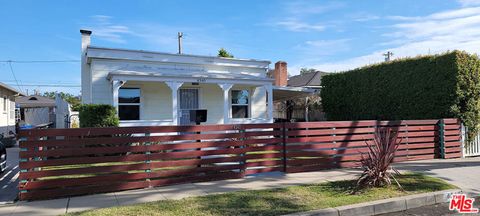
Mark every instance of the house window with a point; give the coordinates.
(129, 103)
(5, 104)
(240, 102)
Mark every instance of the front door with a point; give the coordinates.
(188, 101)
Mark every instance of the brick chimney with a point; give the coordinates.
(280, 73)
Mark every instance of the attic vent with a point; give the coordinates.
(33, 98)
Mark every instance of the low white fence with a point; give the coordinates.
(473, 147)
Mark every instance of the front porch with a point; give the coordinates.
(151, 100)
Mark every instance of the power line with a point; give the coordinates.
(52, 85)
(14, 77)
(50, 82)
(38, 61)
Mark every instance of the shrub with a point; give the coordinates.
(378, 159)
(98, 115)
(427, 87)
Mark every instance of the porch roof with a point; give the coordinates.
(193, 76)
(288, 93)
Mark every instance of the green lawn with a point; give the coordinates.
(277, 201)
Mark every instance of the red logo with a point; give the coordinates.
(462, 204)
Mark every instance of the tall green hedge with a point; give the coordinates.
(98, 115)
(427, 87)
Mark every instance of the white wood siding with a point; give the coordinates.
(7, 121)
(156, 100)
(259, 101)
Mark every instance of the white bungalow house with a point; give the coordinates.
(7, 109)
(154, 88)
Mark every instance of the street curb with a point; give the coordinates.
(384, 206)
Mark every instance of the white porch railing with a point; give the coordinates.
(473, 148)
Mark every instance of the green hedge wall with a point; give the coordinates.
(427, 87)
(98, 115)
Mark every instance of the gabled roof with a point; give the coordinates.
(5, 86)
(313, 79)
(34, 101)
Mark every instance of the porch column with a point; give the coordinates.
(269, 89)
(226, 108)
(174, 86)
(116, 84)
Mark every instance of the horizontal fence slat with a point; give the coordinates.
(146, 129)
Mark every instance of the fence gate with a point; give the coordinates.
(471, 148)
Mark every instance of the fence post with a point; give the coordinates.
(243, 160)
(441, 127)
(284, 136)
(148, 162)
(22, 181)
(407, 136)
(463, 134)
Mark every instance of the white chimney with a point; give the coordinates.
(85, 68)
(85, 39)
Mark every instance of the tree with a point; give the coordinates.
(74, 101)
(223, 53)
(307, 70)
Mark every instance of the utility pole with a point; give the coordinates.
(388, 55)
(180, 36)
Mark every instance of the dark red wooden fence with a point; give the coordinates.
(450, 136)
(65, 162)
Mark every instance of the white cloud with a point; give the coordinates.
(303, 8)
(455, 13)
(103, 28)
(412, 36)
(297, 15)
(315, 48)
(299, 26)
(467, 3)
(362, 17)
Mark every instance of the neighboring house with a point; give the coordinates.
(7, 109)
(36, 110)
(311, 80)
(302, 108)
(40, 111)
(154, 88)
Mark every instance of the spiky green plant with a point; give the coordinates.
(377, 161)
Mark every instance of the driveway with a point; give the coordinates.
(9, 179)
(462, 172)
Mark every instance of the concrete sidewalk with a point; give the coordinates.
(461, 172)
(261, 181)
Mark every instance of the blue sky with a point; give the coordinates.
(326, 35)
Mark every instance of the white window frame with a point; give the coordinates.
(12, 109)
(140, 109)
(249, 113)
